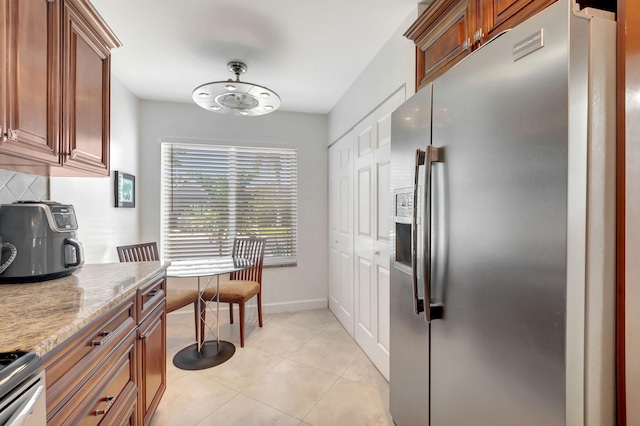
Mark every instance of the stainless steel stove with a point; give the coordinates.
(22, 389)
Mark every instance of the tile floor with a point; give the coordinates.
(301, 368)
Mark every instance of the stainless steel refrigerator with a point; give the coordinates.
(503, 234)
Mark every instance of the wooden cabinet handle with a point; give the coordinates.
(110, 400)
(105, 336)
(153, 292)
(9, 134)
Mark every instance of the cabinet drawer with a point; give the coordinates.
(151, 296)
(71, 364)
(127, 412)
(105, 391)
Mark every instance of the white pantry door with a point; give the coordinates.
(341, 231)
(372, 199)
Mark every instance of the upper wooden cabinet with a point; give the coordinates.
(449, 30)
(86, 88)
(30, 89)
(55, 116)
(500, 15)
(442, 35)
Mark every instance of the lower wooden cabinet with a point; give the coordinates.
(127, 412)
(152, 341)
(103, 397)
(76, 366)
(113, 371)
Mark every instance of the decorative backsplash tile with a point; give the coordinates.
(16, 186)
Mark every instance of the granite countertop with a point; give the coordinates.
(39, 316)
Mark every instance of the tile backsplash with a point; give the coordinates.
(16, 186)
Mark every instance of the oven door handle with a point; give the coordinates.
(26, 409)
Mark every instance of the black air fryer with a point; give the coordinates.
(38, 241)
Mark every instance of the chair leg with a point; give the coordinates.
(231, 313)
(241, 306)
(260, 309)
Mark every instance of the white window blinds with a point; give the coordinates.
(212, 193)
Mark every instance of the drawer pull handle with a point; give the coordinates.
(106, 335)
(110, 400)
(153, 292)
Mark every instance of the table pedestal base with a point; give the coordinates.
(210, 355)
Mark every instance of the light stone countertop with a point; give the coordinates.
(39, 316)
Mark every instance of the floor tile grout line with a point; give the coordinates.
(217, 409)
(270, 406)
(321, 398)
(320, 332)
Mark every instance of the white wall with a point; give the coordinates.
(102, 227)
(136, 130)
(287, 288)
(392, 68)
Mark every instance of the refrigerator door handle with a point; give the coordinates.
(418, 304)
(431, 312)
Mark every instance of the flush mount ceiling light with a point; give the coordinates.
(236, 97)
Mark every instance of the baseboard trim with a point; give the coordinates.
(269, 308)
(298, 305)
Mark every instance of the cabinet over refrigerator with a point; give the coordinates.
(502, 268)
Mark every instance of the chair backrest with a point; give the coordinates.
(253, 249)
(144, 252)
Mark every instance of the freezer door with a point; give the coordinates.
(409, 333)
(498, 355)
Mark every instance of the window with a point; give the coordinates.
(212, 193)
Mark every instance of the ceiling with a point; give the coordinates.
(309, 52)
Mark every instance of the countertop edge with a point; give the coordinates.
(94, 280)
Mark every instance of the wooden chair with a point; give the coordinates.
(176, 297)
(243, 285)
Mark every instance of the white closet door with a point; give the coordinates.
(372, 198)
(359, 231)
(341, 284)
(372, 243)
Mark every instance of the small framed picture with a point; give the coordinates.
(125, 190)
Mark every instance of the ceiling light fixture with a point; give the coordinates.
(236, 97)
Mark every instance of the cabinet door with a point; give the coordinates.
(153, 372)
(30, 110)
(499, 15)
(443, 36)
(341, 231)
(86, 89)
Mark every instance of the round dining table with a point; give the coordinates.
(205, 353)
